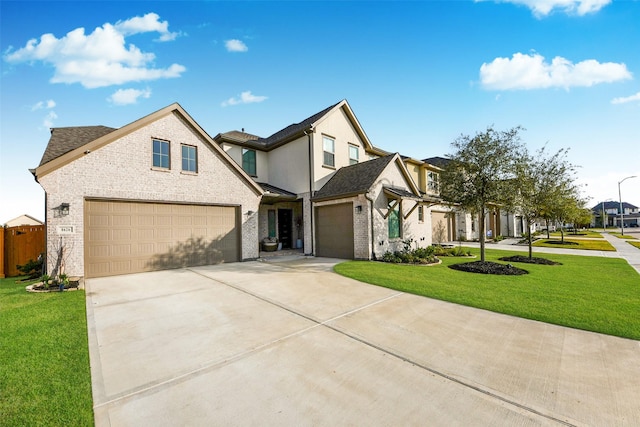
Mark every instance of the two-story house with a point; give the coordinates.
(161, 193)
(328, 189)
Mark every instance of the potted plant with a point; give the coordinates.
(269, 244)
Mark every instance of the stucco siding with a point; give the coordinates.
(123, 170)
(289, 166)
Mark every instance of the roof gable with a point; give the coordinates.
(359, 178)
(85, 144)
(296, 130)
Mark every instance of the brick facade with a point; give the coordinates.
(123, 170)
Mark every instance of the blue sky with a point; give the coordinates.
(417, 75)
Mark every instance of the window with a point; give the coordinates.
(394, 219)
(328, 146)
(433, 182)
(353, 154)
(249, 161)
(421, 213)
(189, 158)
(161, 154)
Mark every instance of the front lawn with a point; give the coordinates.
(44, 358)
(586, 244)
(590, 293)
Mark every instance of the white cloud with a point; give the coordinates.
(146, 24)
(624, 100)
(49, 104)
(245, 98)
(128, 96)
(101, 58)
(541, 8)
(49, 118)
(533, 72)
(235, 45)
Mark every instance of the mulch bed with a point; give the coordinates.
(488, 267)
(526, 259)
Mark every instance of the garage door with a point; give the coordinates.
(334, 231)
(132, 237)
(441, 227)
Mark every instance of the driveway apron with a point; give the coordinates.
(292, 343)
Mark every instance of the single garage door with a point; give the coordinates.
(334, 231)
(131, 237)
(441, 227)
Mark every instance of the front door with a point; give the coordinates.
(284, 227)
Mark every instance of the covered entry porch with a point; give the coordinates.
(280, 220)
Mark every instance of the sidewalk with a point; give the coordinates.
(623, 249)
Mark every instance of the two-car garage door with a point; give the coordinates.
(124, 237)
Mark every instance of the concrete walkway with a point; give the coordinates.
(623, 249)
(289, 342)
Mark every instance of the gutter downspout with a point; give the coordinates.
(309, 132)
(373, 247)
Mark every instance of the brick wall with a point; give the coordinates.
(123, 170)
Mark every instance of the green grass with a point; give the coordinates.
(620, 236)
(591, 293)
(44, 358)
(585, 244)
(636, 244)
(587, 234)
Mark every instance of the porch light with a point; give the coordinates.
(358, 209)
(63, 209)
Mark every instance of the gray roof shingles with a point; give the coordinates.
(354, 179)
(68, 139)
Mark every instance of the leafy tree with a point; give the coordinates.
(480, 172)
(541, 185)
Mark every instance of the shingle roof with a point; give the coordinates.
(281, 136)
(612, 205)
(67, 139)
(354, 179)
(440, 162)
(272, 189)
(239, 136)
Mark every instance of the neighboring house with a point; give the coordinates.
(23, 220)
(157, 193)
(449, 222)
(612, 215)
(294, 164)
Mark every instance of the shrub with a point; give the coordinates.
(31, 268)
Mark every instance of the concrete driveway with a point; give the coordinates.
(291, 343)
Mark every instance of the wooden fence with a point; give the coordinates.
(18, 245)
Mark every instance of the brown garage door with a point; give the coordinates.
(334, 231)
(441, 227)
(130, 237)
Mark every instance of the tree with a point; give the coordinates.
(480, 171)
(540, 186)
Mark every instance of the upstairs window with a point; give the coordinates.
(161, 154)
(328, 147)
(354, 154)
(421, 213)
(433, 182)
(393, 220)
(189, 158)
(249, 161)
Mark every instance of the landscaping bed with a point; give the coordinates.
(526, 259)
(488, 267)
